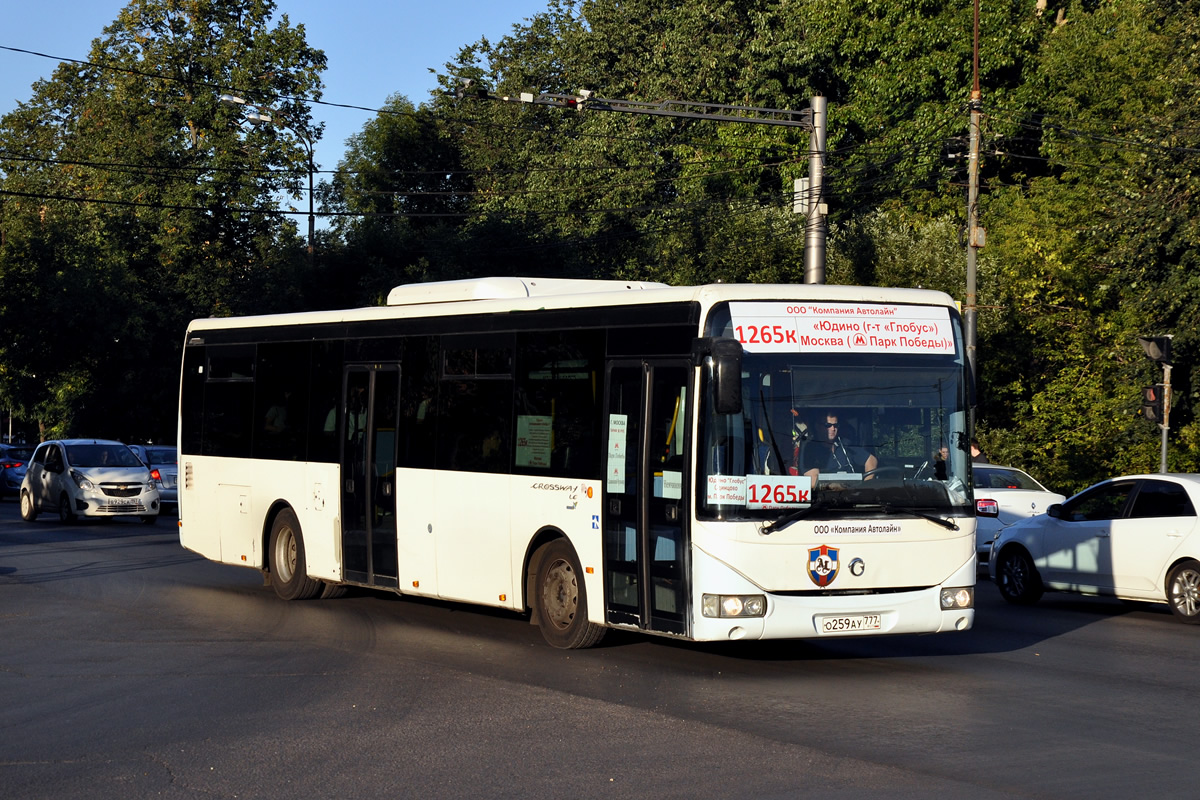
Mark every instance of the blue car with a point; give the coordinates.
(13, 460)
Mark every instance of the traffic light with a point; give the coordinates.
(1152, 402)
(1158, 348)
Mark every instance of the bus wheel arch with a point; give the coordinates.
(558, 597)
(533, 557)
(286, 558)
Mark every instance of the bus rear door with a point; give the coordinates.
(369, 474)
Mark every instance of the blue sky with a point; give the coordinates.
(374, 48)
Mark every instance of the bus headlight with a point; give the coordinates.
(733, 605)
(963, 597)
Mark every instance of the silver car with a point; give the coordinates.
(163, 461)
(90, 478)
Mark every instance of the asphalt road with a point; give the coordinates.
(130, 667)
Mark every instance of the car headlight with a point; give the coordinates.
(734, 605)
(82, 481)
(961, 597)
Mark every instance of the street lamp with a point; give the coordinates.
(261, 116)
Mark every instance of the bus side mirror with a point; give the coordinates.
(727, 375)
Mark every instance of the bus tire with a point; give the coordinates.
(561, 599)
(332, 591)
(289, 570)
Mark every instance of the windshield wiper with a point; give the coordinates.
(789, 518)
(888, 508)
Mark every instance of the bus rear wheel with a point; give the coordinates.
(289, 570)
(561, 599)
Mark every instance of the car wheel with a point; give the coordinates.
(561, 599)
(66, 514)
(29, 511)
(1183, 592)
(289, 570)
(1017, 578)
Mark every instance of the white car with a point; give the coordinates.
(88, 477)
(1004, 495)
(1133, 537)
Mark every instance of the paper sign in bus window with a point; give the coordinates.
(618, 425)
(533, 440)
(726, 490)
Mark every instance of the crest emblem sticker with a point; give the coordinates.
(823, 564)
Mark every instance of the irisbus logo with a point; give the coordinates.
(823, 564)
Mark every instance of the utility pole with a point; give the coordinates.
(816, 229)
(975, 234)
(811, 119)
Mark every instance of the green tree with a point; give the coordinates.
(1095, 245)
(135, 201)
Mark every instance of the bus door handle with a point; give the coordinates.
(614, 505)
(672, 513)
(349, 485)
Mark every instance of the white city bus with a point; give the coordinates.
(597, 454)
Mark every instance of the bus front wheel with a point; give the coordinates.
(561, 599)
(289, 571)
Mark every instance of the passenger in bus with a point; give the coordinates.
(275, 420)
(828, 453)
(940, 459)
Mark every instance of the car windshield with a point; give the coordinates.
(1001, 478)
(101, 455)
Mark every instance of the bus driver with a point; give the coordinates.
(826, 453)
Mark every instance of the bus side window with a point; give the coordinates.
(475, 404)
(558, 403)
(418, 398)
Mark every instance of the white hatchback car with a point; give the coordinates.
(1135, 537)
(88, 477)
(1004, 495)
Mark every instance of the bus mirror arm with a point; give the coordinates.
(726, 355)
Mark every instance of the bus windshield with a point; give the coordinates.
(831, 427)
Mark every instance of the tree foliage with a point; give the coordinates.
(1088, 177)
(135, 201)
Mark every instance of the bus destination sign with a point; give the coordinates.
(823, 327)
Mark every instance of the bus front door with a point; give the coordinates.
(645, 537)
(371, 404)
